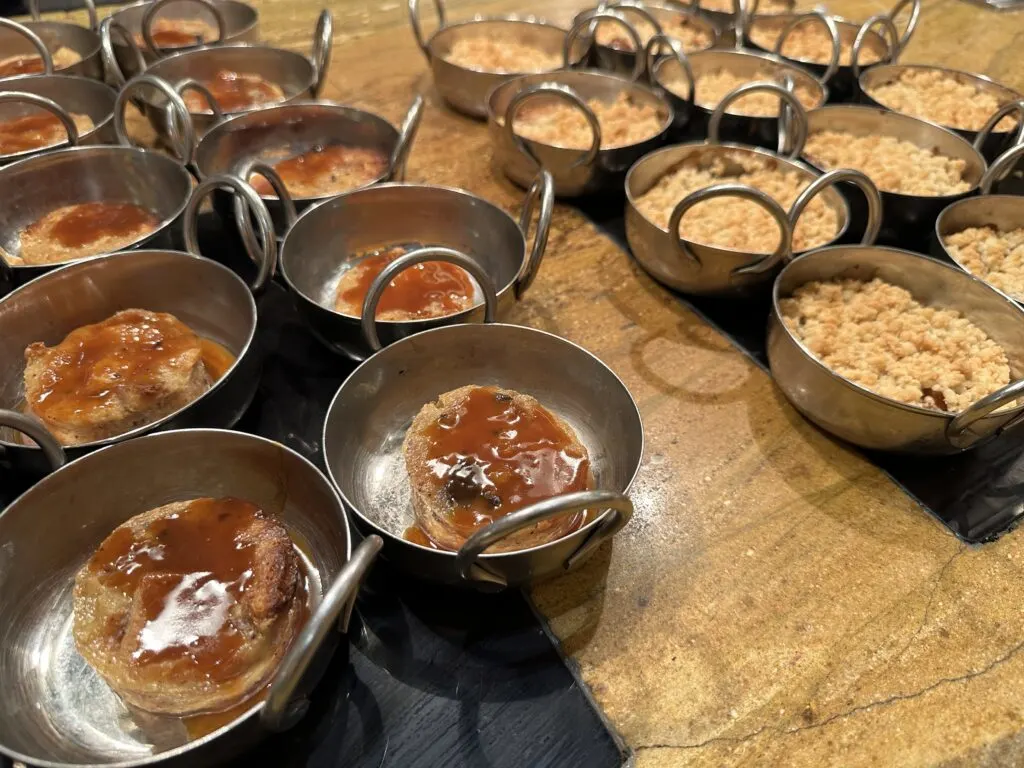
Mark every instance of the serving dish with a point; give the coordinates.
(47, 38)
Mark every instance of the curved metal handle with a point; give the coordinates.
(1000, 167)
(799, 115)
(565, 93)
(245, 172)
(830, 179)
(959, 433)
(323, 44)
(282, 708)
(41, 436)
(406, 136)
(90, 7)
(990, 125)
(184, 133)
(833, 33)
(265, 257)
(769, 203)
(620, 506)
(417, 32)
(191, 84)
(543, 189)
(635, 8)
(915, 14)
(651, 64)
(587, 19)
(110, 64)
(51, 106)
(742, 17)
(32, 37)
(893, 42)
(368, 319)
(155, 7)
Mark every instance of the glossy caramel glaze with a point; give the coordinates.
(326, 171)
(179, 33)
(28, 64)
(37, 130)
(234, 92)
(84, 229)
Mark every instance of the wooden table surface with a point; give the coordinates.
(776, 599)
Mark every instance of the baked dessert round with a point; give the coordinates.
(477, 453)
(234, 92)
(84, 229)
(623, 121)
(37, 131)
(996, 256)
(32, 63)
(325, 170)
(189, 608)
(940, 97)
(179, 33)
(501, 55)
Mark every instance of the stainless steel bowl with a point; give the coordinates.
(32, 188)
(730, 24)
(25, 38)
(466, 90)
(56, 710)
(204, 295)
(864, 418)
(61, 95)
(369, 416)
(327, 239)
(575, 172)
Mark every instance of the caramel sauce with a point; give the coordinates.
(416, 535)
(198, 726)
(29, 64)
(88, 222)
(492, 457)
(430, 289)
(216, 358)
(23, 133)
(234, 91)
(334, 168)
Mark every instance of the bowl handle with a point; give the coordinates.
(90, 7)
(893, 41)
(406, 136)
(637, 9)
(34, 428)
(32, 37)
(588, 19)
(183, 136)
(286, 701)
(619, 510)
(742, 16)
(915, 15)
(542, 189)
(762, 263)
(417, 31)
(411, 259)
(565, 93)
(1000, 167)
(50, 106)
(798, 123)
(830, 28)
(676, 50)
(858, 179)
(154, 8)
(265, 257)
(323, 44)
(182, 87)
(110, 65)
(959, 433)
(990, 125)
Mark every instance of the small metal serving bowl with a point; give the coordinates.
(485, 241)
(371, 413)
(32, 188)
(43, 38)
(865, 418)
(56, 710)
(575, 172)
(61, 96)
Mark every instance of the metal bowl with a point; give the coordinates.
(204, 295)
(992, 142)
(466, 90)
(61, 95)
(862, 417)
(326, 239)
(235, 21)
(575, 172)
(44, 37)
(30, 189)
(369, 416)
(730, 24)
(56, 710)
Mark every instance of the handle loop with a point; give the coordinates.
(1000, 168)
(830, 28)
(990, 125)
(34, 39)
(406, 136)
(915, 15)
(893, 42)
(323, 44)
(51, 106)
(830, 179)
(542, 189)
(417, 31)
(41, 436)
(154, 8)
(653, 64)
(799, 116)
(183, 135)
(110, 64)
(589, 19)
(565, 93)
(90, 7)
(959, 432)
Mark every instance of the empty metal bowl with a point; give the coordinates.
(56, 710)
(44, 38)
(330, 237)
(369, 416)
(61, 95)
(464, 88)
(865, 418)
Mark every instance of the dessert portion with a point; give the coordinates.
(430, 289)
(997, 257)
(38, 130)
(502, 55)
(812, 43)
(942, 98)
(623, 121)
(189, 608)
(893, 164)
(877, 335)
(477, 453)
(32, 63)
(234, 92)
(732, 222)
(179, 33)
(690, 35)
(107, 378)
(84, 229)
(325, 170)
(713, 86)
